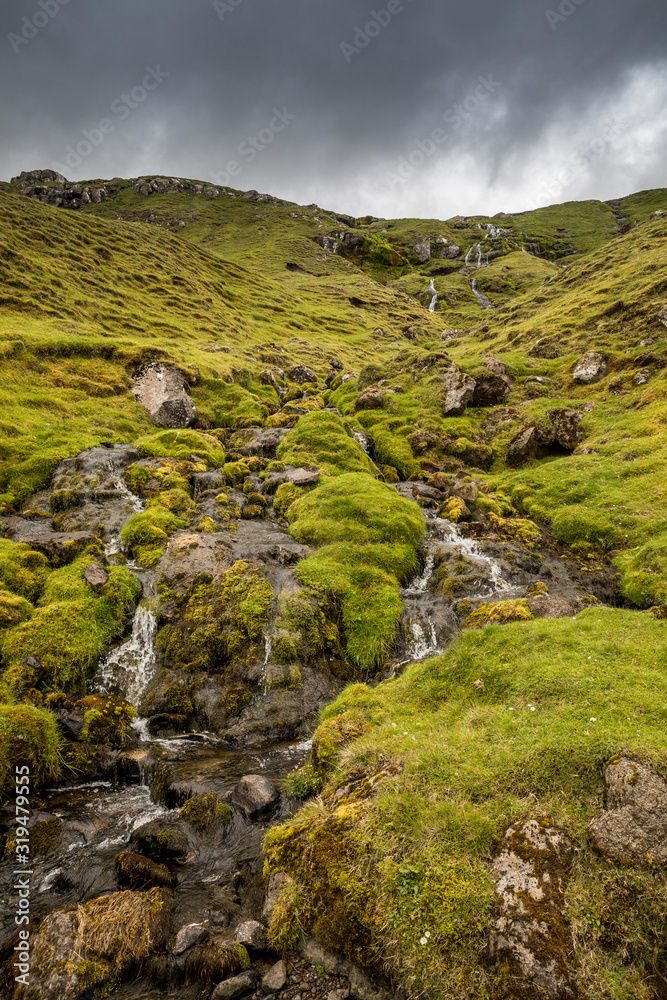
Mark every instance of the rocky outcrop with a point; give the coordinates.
(565, 430)
(546, 348)
(633, 827)
(523, 447)
(459, 390)
(491, 389)
(590, 368)
(161, 390)
(530, 938)
(566, 426)
(301, 374)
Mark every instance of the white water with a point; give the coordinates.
(472, 549)
(268, 646)
(128, 670)
(484, 301)
(421, 646)
(419, 584)
(362, 440)
(118, 482)
(431, 290)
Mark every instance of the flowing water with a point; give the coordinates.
(127, 671)
(431, 290)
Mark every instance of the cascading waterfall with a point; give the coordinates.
(127, 670)
(362, 440)
(431, 290)
(268, 647)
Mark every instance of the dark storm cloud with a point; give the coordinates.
(398, 107)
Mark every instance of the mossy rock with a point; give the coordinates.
(29, 736)
(207, 526)
(304, 781)
(13, 610)
(22, 570)
(286, 646)
(202, 811)
(177, 500)
(235, 700)
(221, 622)
(211, 963)
(285, 496)
(282, 675)
(107, 719)
(176, 700)
(253, 512)
(44, 838)
(390, 474)
(454, 510)
(158, 841)
(146, 534)
(499, 614)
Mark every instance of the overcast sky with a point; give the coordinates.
(424, 108)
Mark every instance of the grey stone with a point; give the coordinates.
(255, 795)
(529, 933)
(251, 934)
(662, 315)
(361, 986)
(188, 936)
(567, 427)
(236, 986)
(276, 978)
(276, 880)
(96, 575)
(543, 606)
(641, 377)
(301, 374)
(423, 251)
(459, 390)
(370, 399)
(410, 333)
(465, 491)
(590, 368)
(301, 477)
(523, 446)
(160, 389)
(633, 827)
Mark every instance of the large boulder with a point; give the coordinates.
(567, 428)
(633, 827)
(255, 795)
(530, 939)
(78, 949)
(459, 390)
(161, 390)
(491, 389)
(590, 368)
(301, 374)
(523, 446)
(370, 399)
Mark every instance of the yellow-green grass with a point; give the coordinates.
(512, 721)
(323, 441)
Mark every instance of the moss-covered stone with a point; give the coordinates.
(201, 811)
(499, 614)
(133, 871)
(106, 718)
(28, 736)
(22, 570)
(44, 838)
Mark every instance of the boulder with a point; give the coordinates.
(276, 978)
(523, 446)
(96, 575)
(567, 427)
(38, 177)
(590, 368)
(491, 389)
(80, 948)
(446, 250)
(160, 839)
(237, 986)
(543, 606)
(188, 937)
(465, 491)
(161, 390)
(422, 251)
(633, 827)
(257, 441)
(270, 376)
(255, 795)
(459, 390)
(410, 333)
(252, 935)
(370, 399)
(496, 366)
(338, 364)
(641, 377)
(530, 938)
(662, 315)
(300, 374)
(421, 491)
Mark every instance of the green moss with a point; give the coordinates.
(321, 440)
(201, 811)
(236, 472)
(578, 524)
(145, 535)
(29, 736)
(236, 407)
(282, 675)
(285, 496)
(13, 610)
(236, 699)
(498, 614)
(304, 781)
(22, 570)
(221, 623)
(175, 500)
(106, 719)
(181, 444)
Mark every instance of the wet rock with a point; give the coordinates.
(96, 575)
(189, 936)
(421, 491)
(567, 427)
(134, 871)
(72, 722)
(255, 795)
(60, 547)
(590, 368)
(530, 938)
(251, 934)
(523, 446)
(276, 880)
(257, 441)
(301, 374)
(490, 390)
(459, 390)
(465, 491)
(80, 948)
(189, 554)
(361, 987)
(237, 986)
(633, 827)
(161, 390)
(276, 978)
(158, 839)
(543, 606)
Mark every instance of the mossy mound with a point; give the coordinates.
(211, 963)
(321, 440)
(22, 570)
(391, 865)
(221, 623)
(499, 614)
(367, 536)
(13, 610)
(146, 535)
(28, 735)
(106, 719)
(202, 811)
(134, 871)
(44, 838)
(181, 444)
